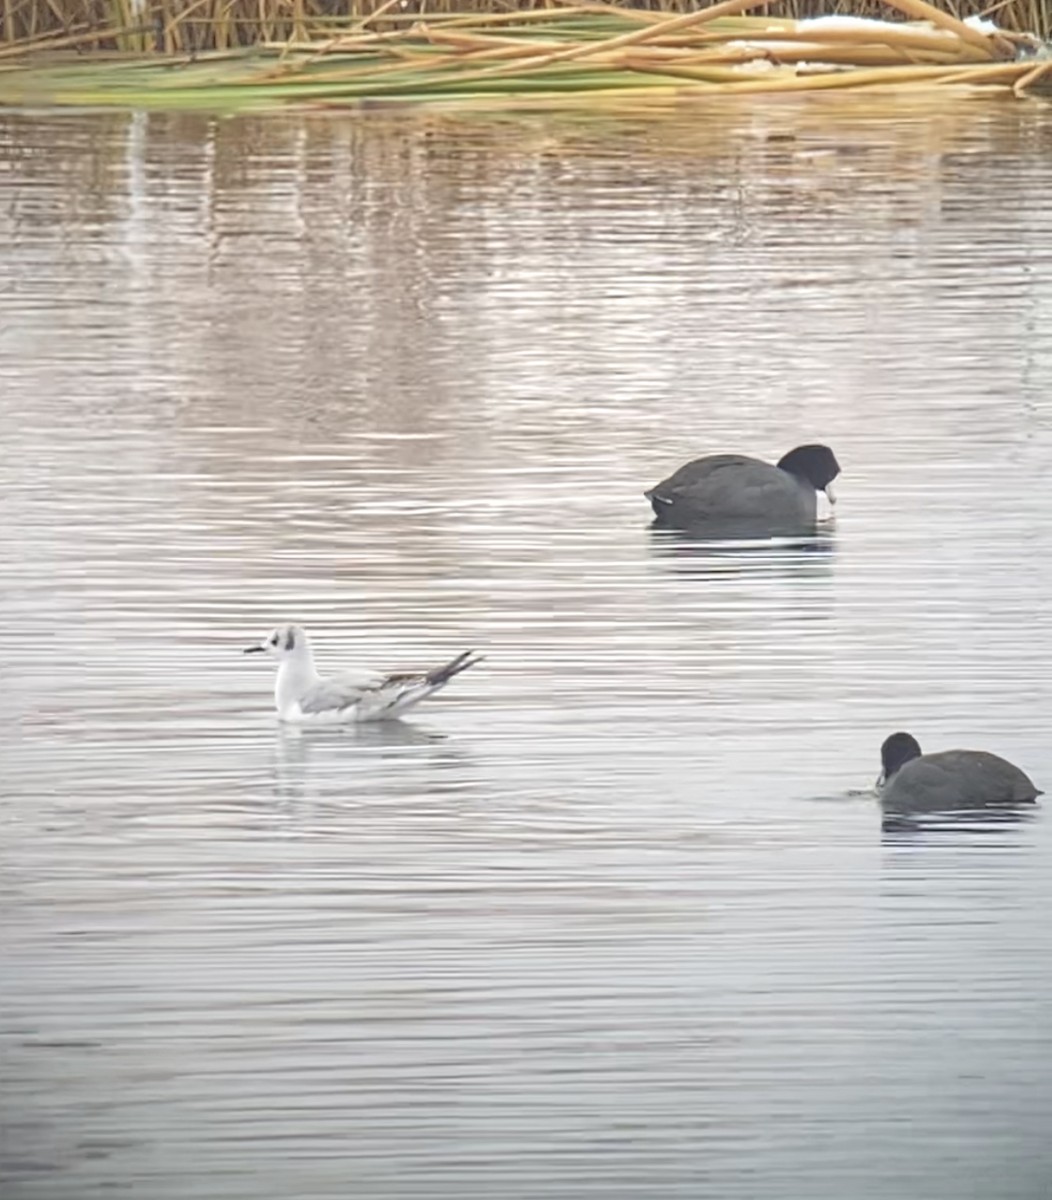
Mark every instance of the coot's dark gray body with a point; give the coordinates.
(950, 779)
(741, 496)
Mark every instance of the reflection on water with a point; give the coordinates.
(319, 762)
(793, 558)
(604, 919)
(898, 826)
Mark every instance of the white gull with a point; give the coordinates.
(303, 696)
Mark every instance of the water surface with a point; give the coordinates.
(610, 918)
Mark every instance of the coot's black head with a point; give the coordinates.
(898, 750)
(816, 464)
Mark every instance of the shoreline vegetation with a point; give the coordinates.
(230, 55)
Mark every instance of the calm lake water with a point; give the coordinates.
(614, 916)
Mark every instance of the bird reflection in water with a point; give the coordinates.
(708, 556)
(993, 820)
(368, 760)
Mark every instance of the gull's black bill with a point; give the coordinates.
(252, 650)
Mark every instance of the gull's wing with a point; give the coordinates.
(340, 692)
(377, 696)
(398, 692)
(332, 696)
(363, 680)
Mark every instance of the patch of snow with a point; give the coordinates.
(981, 25)
(821, 68)
(758, 47)
(755, 66)
(845, 23)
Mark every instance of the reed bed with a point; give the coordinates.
(182, 25)
(588, 52)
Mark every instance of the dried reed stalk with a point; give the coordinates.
(920, 10)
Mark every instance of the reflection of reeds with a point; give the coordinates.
(291, 51)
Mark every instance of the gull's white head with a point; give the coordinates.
(284, 642)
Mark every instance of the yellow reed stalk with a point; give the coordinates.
(516, 16)
(50, 42)
(406, 58)
(690, 20)
(1032, 76)
(179, 19)
(338, 44)
(439, 35)
(908, 38)
(299, 22)
(224, 30)
(714, 54)
(377, 12)
(869, 77)
(1000, 73)
(120, 15)
(789, 54)
(992, 45)
(715, 74)
(856, 56)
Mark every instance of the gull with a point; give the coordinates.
(302, 696)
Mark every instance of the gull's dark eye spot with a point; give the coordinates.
(274, 640)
